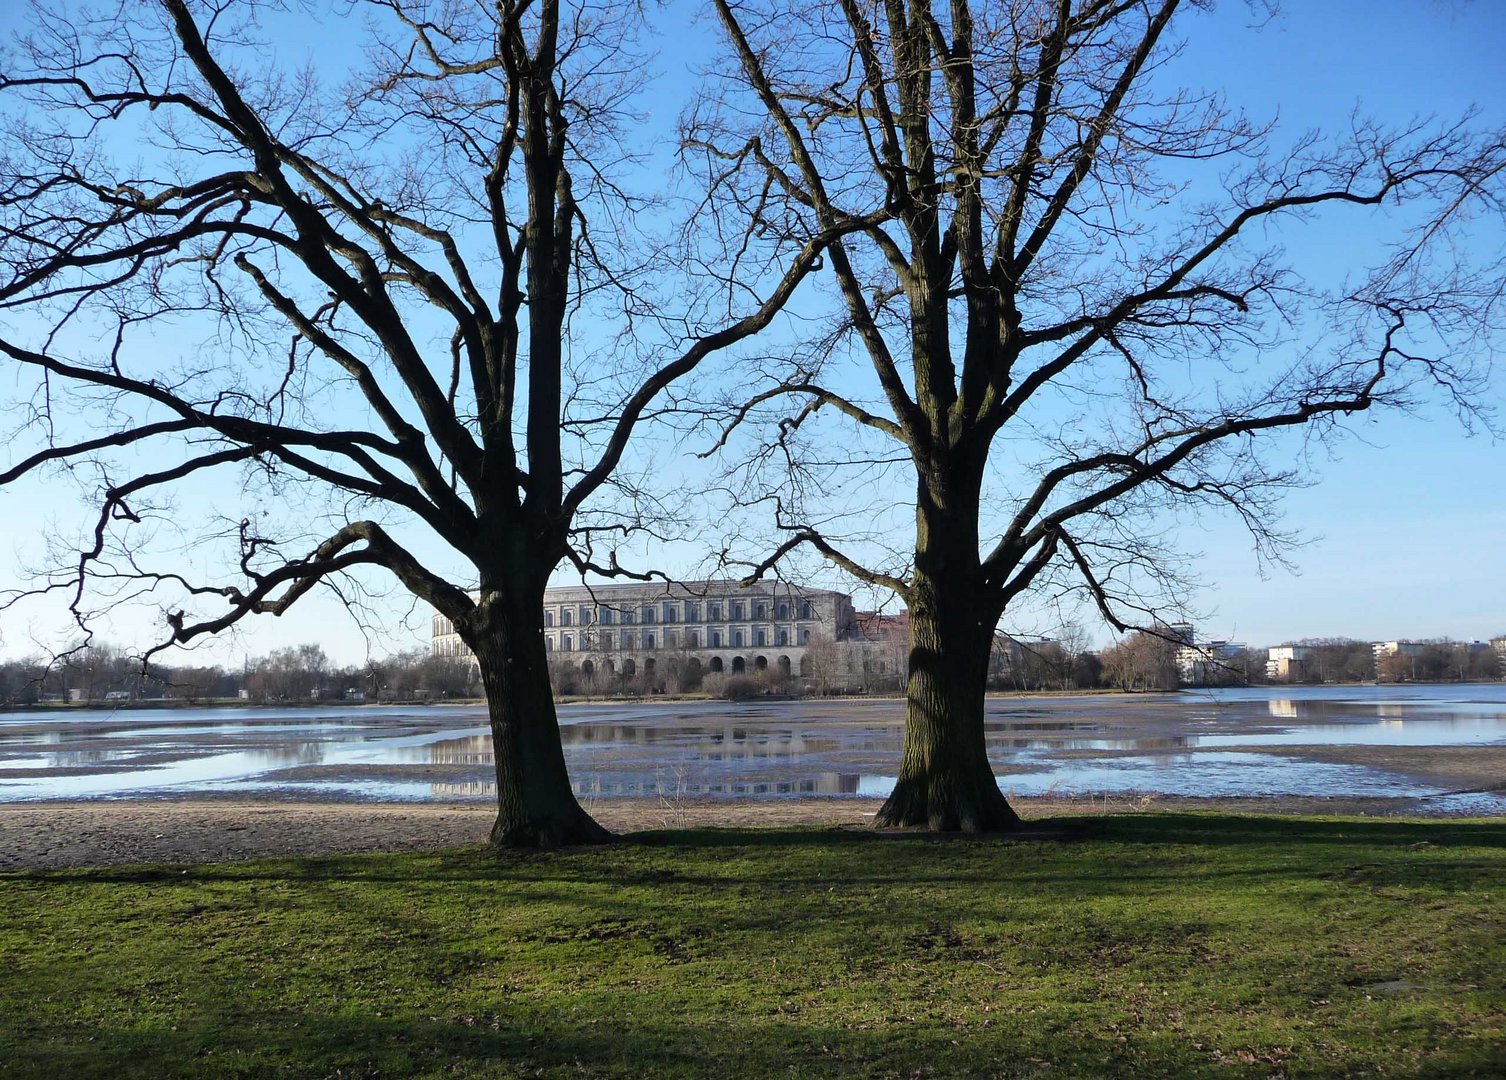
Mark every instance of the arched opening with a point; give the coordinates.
(738, 665)
(611, 667)
(588, 669)
(694, 666)
(648, 667)
(629, 667)
(716, 665)
(784, 665)
(760, 663)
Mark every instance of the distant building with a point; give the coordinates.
(1288, 663)
(1018, 663)
(1384, 649)
(1203, 663)
(627, 630)
(1184, 632)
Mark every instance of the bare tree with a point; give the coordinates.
(1061, 255)
(1144, 660)
(409, 309)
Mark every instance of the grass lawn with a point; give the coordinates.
(1135, 945)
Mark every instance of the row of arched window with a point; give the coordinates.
(675, 611)
(715, 666)
(716, 638)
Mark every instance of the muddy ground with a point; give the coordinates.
(54, 836)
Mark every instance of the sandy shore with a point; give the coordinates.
(52, 836)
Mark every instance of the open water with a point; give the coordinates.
(1246, 742)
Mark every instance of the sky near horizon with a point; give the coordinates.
(1406, 525)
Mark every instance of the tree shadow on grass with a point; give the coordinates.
(526, 1041)
(1039, 855)
(1214, 829)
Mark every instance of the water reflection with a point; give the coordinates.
(1195, 743)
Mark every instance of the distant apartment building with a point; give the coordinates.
(1382, 649)
(628, 630)
(1203, 663)
(1288, 663)
(1385, 650)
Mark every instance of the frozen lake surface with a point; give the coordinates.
(1246, 742)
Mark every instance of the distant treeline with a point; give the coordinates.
(105, 673)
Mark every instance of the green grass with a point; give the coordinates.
(1137, 945)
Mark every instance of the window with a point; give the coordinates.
(627, 639)
(713, 611)
(605, 616)
(668, 614)
(585, 614)
(737, 612)
(564, 616)
(737, 639)
(564, 643)
(548, 643)
(692, 612)
(760, 611)
(695, 639)
(760, 636)
(648, 639)
(629, 618)
(784, 611)
(548, 618)
(784, 637)
(805, 610)
(716, 639)
(805, 637)
(671, 638)
(648, 614)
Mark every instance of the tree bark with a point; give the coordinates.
(536, 807)
(945, 780)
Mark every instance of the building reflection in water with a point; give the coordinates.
(670, 787)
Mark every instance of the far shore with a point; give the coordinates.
(650, 699)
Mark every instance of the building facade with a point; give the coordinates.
(1203, 663)
(1287, 663)
(645, 631)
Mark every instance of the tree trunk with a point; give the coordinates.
(536, 807)
(945, 781)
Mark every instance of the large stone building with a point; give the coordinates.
(638, 631)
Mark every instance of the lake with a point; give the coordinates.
(1268, 741)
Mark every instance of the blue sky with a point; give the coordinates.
(1406, 524)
